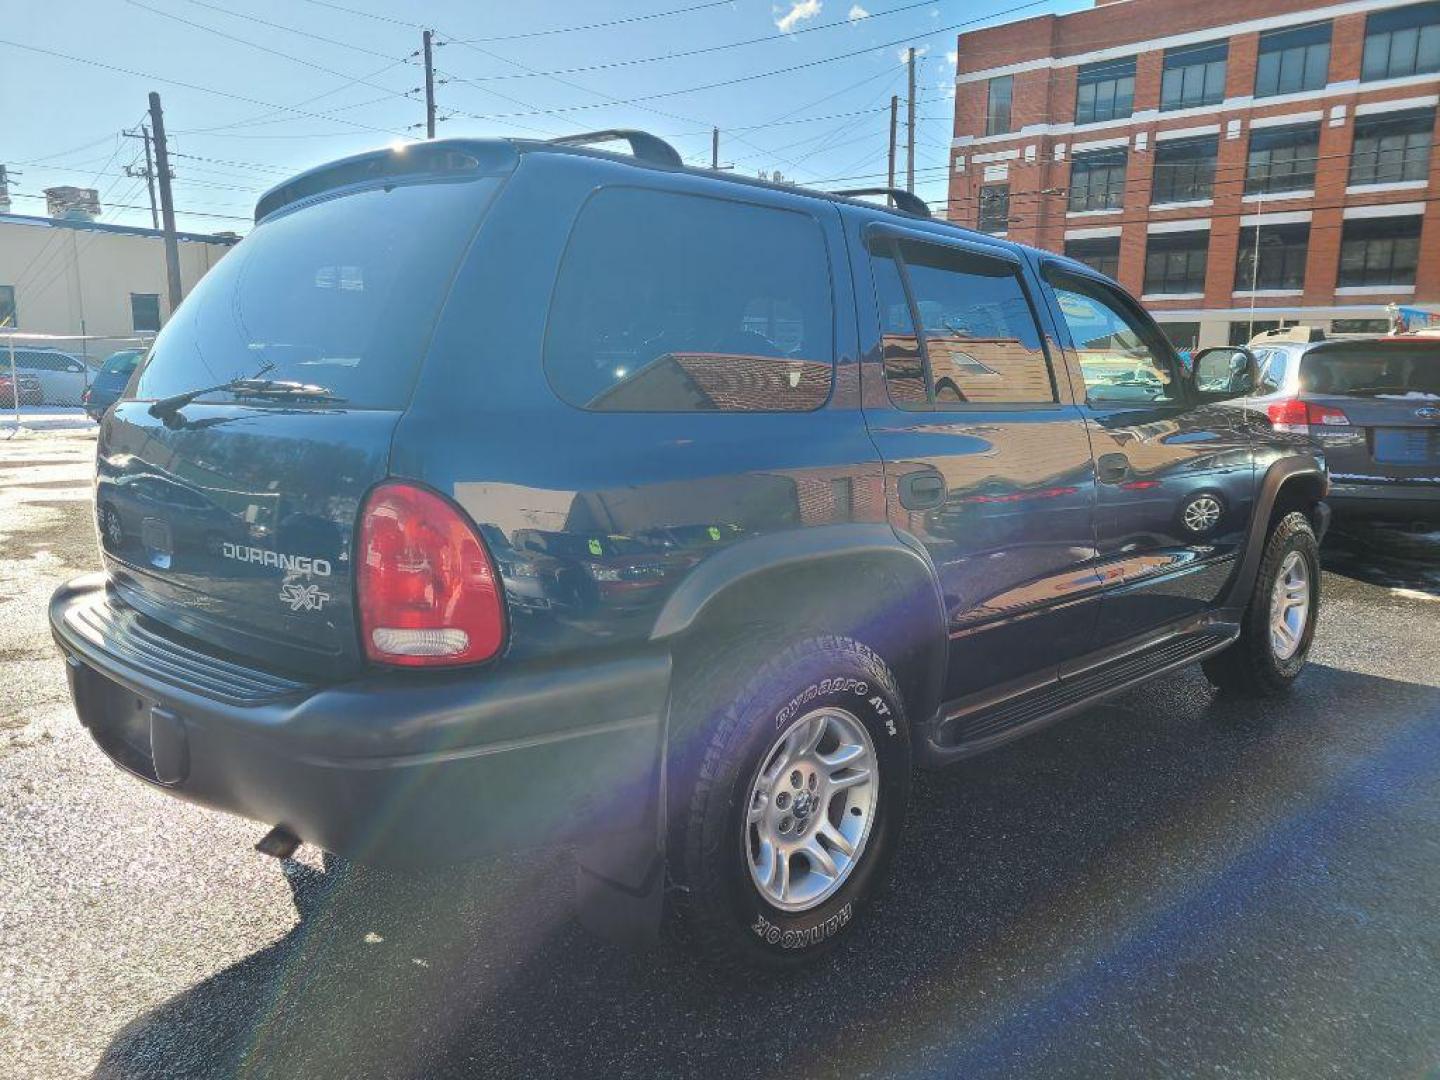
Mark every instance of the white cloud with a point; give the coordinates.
(952, 57)
(800, 10)
(857, 12)
(904, 54)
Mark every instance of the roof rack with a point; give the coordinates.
(643, 145)
(906, 201)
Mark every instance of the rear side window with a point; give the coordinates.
(341, 294)
(979, 343)
(682, 303)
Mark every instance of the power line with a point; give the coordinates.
(628, 20)
(132, 72)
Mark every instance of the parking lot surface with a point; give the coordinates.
(1170, 884)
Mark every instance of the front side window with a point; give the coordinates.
(1282, 159)
(145, 312)
(1379, 251)
(1184, 170)
(9, 317)
(1100, 253)
(1175, 262)
(1293, 60)
(1402, 41)
(997, 105)
(1194, 76)
(681, 303)
(1105, 91)
(1272, 257)
(1097, 180)
(978, 344)
(1392, 147)
(1123, 357)
(994, 215)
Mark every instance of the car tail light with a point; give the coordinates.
(427, 588)
(1298, 416)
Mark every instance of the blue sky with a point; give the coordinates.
(346, 69)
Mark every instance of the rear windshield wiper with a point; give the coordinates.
(250, 386)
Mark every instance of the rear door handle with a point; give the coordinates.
(922, 490)
(1112, 468)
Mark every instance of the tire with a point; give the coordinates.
(747, 752)
(1259, 664)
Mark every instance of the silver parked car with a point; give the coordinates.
(1373, 406)
(62, 376)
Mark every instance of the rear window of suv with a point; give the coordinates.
(1373, 369)
(341, 294)
(683, 303)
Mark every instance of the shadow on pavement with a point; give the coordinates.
(1168, 883)
(1390, 557)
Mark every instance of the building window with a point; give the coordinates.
(1175, 262)
(1379, 251)
(1242, 332)
(1099, 253)
(1097, 180)
(1185, 336)
(145, 312)
(997, 105)
(1282, 159)
(1402, 41)
(1184, 170)
(9, 317)
(1360, 326)
(1293, 60)
(994, 208)
(1393, 147)
(1105, 91)
(1278, 262)
(1194, 75)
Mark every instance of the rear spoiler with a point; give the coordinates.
(448, 157)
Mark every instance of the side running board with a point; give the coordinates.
(971, 730)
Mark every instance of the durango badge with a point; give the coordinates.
(295, 564)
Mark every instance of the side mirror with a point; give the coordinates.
(1225, 372)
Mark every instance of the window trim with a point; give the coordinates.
(802, 209)
(1101, 76)
(1178, 53)
(1189, 251)
(1246, 251)
(990, 105)
(1374, 120)
(1418, 24)
(1389, 283)
(1210, 141)
(1185, 397)
(888, 238)
(1272, 35)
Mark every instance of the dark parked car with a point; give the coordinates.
(1372, 407)
(809, 567)
(110, 381)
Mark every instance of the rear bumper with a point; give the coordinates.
(393, 768)
(1386, 501)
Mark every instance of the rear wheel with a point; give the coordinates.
(1279, 623)
(787, 820)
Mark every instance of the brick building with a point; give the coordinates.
(1235, 163)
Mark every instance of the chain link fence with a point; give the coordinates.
(63, 380)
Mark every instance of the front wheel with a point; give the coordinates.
(794, 805)
(1279, 623)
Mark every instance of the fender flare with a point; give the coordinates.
(1267, 494)
(751, 563)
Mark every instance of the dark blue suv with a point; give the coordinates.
(499, 493)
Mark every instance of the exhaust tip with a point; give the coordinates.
(278, 843)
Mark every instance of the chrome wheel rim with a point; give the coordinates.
(1202, 514)
(811, 804)
(1289, 606)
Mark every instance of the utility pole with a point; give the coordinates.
(894, 117)
(167, 201)
(429, 86)
(910, 126)
(148, 173)
(715, 148)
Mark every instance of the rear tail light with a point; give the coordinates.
(1298, 416)
(427, 588)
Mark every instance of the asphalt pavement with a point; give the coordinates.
(1172, 884)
